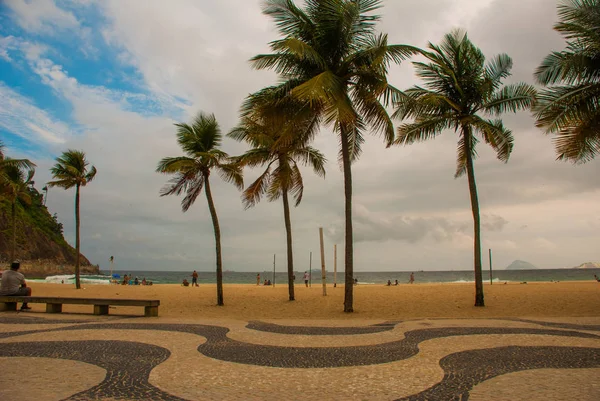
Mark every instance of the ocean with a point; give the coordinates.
(229, 277)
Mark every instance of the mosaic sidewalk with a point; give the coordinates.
(113, 358)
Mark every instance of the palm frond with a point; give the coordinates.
(170, 165)
(193, 188)
(252, 195)
(515, 97)
(297, 184)
(496, 135)
(232, 173)
(422, 130)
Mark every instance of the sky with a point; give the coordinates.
(111, 78)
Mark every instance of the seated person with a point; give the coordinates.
(268, 282)
(125, 280)
(396, 282)
(144, 281)
(13, 283)
(389, 282)
(185, 282)
(136, 281)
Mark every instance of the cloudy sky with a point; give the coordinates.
(111, 77)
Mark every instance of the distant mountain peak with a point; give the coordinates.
(588, 265)
(520, 265)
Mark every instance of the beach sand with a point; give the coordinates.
(251, 302)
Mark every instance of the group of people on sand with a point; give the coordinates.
(129, 280)
(411, 280)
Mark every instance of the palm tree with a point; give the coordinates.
(200, 140)
(569, 107)
(331, 58)
(279, 133)
(460, 87)
(16, 190)
(71, 170)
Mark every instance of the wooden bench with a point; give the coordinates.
(54, 304)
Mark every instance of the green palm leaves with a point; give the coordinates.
(279, 134)
(200, 141)
(461, 90)
(570, 105)
(6, 163)
(71, 170)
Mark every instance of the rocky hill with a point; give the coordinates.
(40, 243)
(588, 265)
(520, 265)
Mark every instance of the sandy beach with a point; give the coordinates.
(251, 302)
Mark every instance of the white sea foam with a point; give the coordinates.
(70, 279)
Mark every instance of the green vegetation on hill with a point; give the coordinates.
(39, 234)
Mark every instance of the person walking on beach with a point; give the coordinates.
(257, 278)
(412, 278)
(13, 283)
(195, 279)
(306, 277)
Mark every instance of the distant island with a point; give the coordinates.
(520, 265)
(588, 265)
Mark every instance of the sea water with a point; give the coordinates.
(280, 277)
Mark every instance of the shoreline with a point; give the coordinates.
(406, 301)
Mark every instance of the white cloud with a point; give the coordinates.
(20, 116)
(42, 16)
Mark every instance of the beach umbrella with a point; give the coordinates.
(116, 275)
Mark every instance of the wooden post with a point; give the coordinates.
(490, 267)
(334, 265)
(323, 276)
(273, 270)
(310, 271)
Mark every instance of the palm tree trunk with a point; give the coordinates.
(13, 246)
(349, 253)
(476, 219)
(77, 245)
(215, 220)
(290, 253)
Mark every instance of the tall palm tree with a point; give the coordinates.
(570, 106)
(331, 57)
(200, 140)
(279, 133)
(72, 170)
(460, 87)
(16, 189)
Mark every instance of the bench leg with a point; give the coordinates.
(8, 306)
(100, 309)
(53, 308)
(151, 311)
